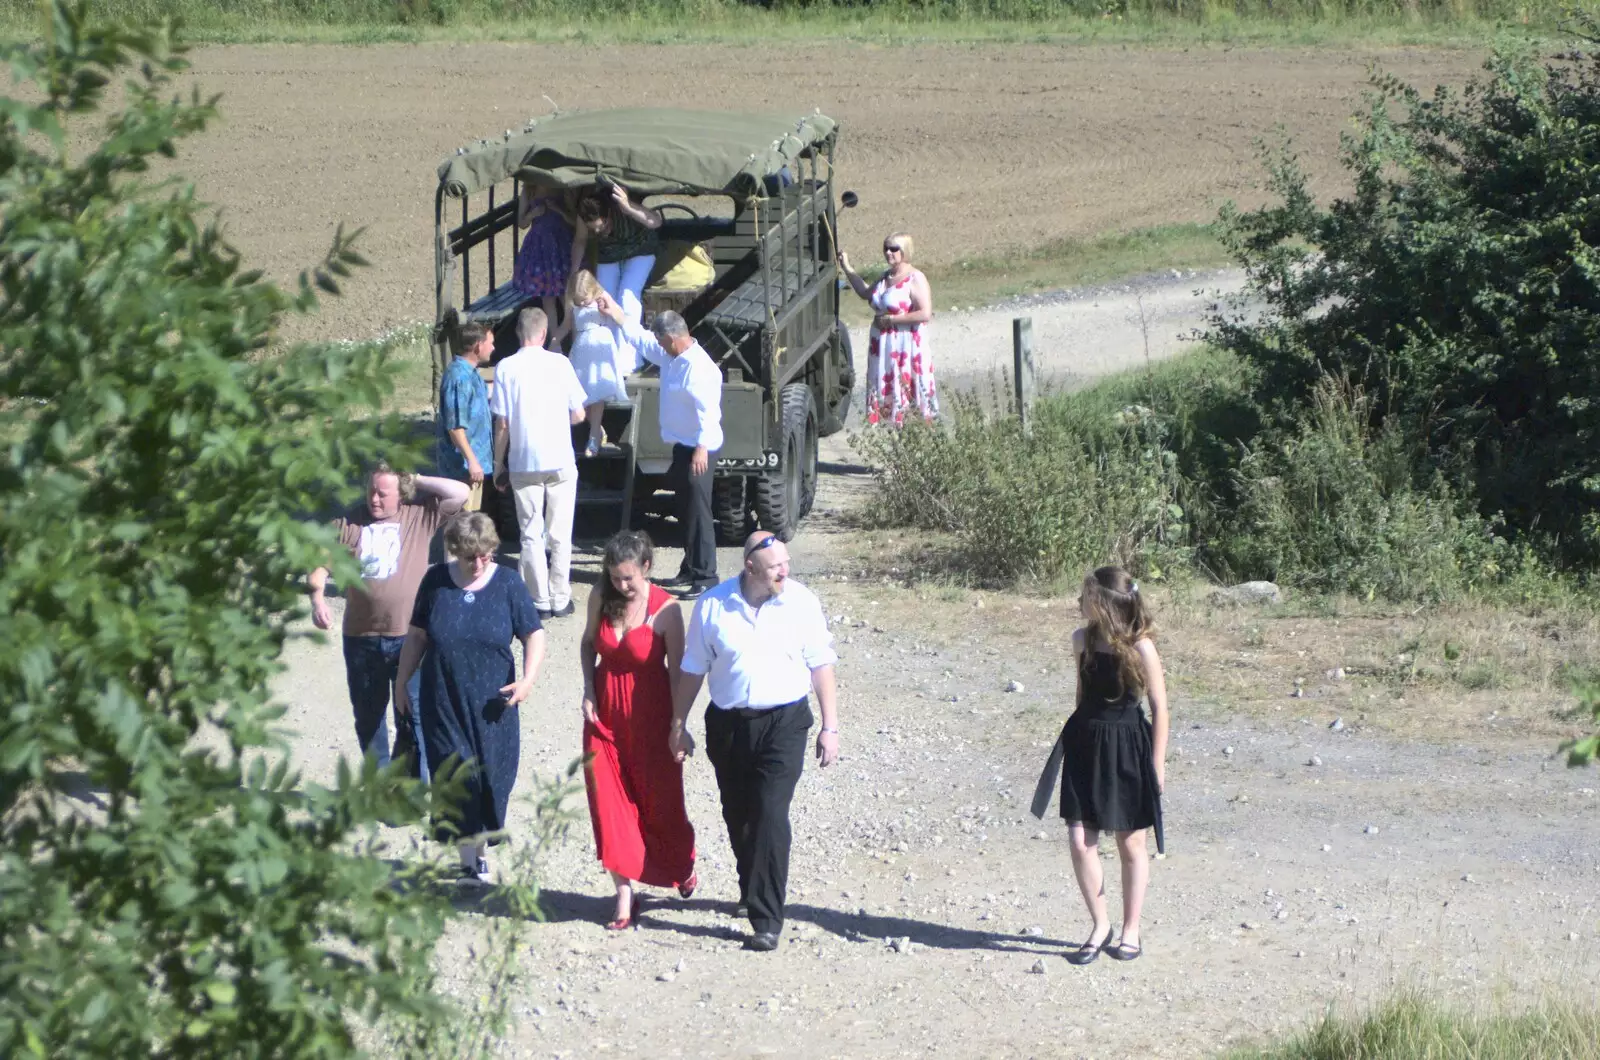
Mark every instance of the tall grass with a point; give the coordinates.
(700, 19)
(1168, 469)
(1411, 1028)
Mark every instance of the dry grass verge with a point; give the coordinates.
(1470, 669)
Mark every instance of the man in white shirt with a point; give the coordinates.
(691, 421)
(537, 401)
(762, 641)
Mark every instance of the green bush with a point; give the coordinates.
(1169, 469)
(1459, 287)
(168, 886)
(1331, 507)
(1091, 481)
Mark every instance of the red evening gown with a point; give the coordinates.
(641, 829)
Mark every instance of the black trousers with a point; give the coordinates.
(758, 756)
(694, 515)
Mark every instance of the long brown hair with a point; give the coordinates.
(1114, 614)
(625, 546)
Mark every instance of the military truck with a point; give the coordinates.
(756, 192)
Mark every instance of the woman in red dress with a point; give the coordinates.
(630, 653)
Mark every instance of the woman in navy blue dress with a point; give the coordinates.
(466, 614)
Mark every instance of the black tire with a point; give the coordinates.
(730, 508)
(838, 409)
(781, 493)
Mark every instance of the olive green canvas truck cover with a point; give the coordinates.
(654, 151)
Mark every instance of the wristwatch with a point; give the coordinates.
(834, 731)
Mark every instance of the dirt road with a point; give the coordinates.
(974, 148)
(923, 895)
(1078, 334)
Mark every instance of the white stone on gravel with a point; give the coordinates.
(1038, 967)
(1337, 725)
(1327, 847)
(1371, 829)
(1314, 760)
(1014, 686)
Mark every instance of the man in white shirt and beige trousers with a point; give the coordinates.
(761, 641)
(537, 401)
(691, 422)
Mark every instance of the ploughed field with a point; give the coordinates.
(975, 149)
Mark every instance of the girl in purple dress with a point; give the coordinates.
(546, 255)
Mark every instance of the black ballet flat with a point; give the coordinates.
(1089, 951)
(1124, 952)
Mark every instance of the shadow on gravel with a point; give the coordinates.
(562, 907)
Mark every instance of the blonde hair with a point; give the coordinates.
(1114, 615)
(908, 246)
(469, 535)
(583, 288)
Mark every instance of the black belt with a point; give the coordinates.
(756, 712)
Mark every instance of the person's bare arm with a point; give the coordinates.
(410, 658)
(591, 630)
(317, 582)
(533, 648)
(458, 438)
(525, 214)
(684, 692)
(643, 214)
(825, 685)
(1155, 688)
(857, 284)
(921, 302)
(450, 494)
(669, 622)
(639, 337)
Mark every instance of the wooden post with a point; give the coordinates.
(1022, 366)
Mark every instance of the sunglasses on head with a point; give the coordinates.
(766, 542)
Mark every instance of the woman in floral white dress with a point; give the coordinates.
(899, 358)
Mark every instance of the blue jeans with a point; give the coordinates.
(370, 666)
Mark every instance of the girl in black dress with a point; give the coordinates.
(1113, 760)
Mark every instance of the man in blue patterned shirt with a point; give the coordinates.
(466, 431)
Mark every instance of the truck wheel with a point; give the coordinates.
(781, 493)
(838, 403)
(730, 508)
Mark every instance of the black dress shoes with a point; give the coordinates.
(762, 941)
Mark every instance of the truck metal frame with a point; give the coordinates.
(769, 318)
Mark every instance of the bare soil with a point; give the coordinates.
(972, 148)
